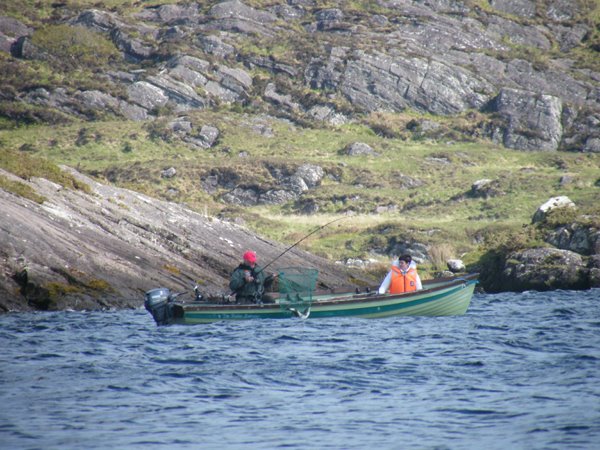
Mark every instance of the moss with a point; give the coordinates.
(20, 189)
(97, 284)
(57, 290)
(172, 269)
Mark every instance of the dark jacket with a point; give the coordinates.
(247, 292)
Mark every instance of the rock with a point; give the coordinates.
(485, 188)
(359, 149)
(594, 267)
(523, 8)
(271, 65)
(215, 46)
(168, 173)
(455, 265)
(106, 247)
(284, 100)
(10, 31)
(171, 14)
(550, 205)
(592, 144)
(235, 16)
(208, 135)
(575, 237)
(311, 174)
(296, 185)
(134, 49)
(417, 250)
(277, 197)
(544, 269)
(147, 95)
(330, 19)
(242, 196)
(532, 121)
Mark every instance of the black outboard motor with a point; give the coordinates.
(158, 303)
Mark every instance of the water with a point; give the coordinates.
(517, 371)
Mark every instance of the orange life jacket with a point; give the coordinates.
(403, 282)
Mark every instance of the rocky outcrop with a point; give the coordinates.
(531, 121)
(572, 261)
(104, 248)
(288, 184)
(436, 57)
(544, 269)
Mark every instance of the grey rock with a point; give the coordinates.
(279, 99)
(455, 265)
(311, 174)
(168, 173)
(271, 64)
(25, 49)
(544, 269)
(577, 238)
(98, 20)
(169, 14)
(532, 121)
(181, 125)
(485, 188)
(297, 185)
(359, 149)
(14, 28)
(330, 19)
(208, 135)
(277, 197)
(215, 46)
(523, 8)
(592, 144)
(236, 80)
(114, 243)
(134, 49)
(237, 17)
(181, 94)
(242, 196)
(147, 95)
(554, 203)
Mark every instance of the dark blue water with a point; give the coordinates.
(517, 371)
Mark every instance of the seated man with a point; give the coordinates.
(248, 281)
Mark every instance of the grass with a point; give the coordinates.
(440, 210)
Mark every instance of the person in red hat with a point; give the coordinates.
(248, 281)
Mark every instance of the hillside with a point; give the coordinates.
(439, 126)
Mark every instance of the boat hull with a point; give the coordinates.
(439, 298)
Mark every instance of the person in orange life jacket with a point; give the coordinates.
(402, 277)
(248, 281)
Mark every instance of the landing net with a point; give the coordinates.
(296, 287)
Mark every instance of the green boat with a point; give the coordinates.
(439, 297)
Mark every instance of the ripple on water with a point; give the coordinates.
(522, 369)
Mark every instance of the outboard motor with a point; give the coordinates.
(158, 304)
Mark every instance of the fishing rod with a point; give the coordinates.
(305, 237)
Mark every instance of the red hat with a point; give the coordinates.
(250, 256)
